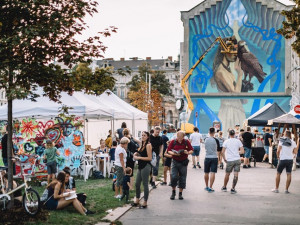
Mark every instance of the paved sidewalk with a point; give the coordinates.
(253, 204)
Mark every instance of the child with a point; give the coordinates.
(126, 184)
(50, 155)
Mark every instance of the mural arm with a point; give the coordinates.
(228, 47)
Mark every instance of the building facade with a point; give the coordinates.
(169, 66)
(230, 87)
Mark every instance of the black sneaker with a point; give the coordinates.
(233, 191)
(153, 185)
(163, 183)
(180, 196)
(224, 189)
(194, 167)
(244, 166)
(199, 166)
(173, 195)
(249, 166)
(89, 212)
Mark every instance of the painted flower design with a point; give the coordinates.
(29, 128)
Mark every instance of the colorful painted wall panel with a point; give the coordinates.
(29, 139)
(258, 67)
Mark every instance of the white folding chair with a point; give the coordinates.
(89, 163)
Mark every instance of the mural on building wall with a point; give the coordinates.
(30, 135)
(257, 67)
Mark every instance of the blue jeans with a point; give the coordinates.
(5, 162)
(266, 149)
(156, 167)
(247, 152)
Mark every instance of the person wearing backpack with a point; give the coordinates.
(179, 149)
(144, 157)
(131, 149)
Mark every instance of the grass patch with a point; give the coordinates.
(100, 198)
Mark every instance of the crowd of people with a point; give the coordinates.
(156, 147)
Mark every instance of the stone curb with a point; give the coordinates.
(120, 211)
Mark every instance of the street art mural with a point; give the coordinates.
(258, 67)
(29, 138)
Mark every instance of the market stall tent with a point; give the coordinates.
(268, 112)
(284, 119)
(43, 107)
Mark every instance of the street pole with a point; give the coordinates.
(149, 84)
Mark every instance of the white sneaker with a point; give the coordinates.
(275, 190)
(119, 196)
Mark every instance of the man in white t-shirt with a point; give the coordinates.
(287, 148)
(196, 139)
(233, 148)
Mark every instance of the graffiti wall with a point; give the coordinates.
(256, 67)
(30, 135)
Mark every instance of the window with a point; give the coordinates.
(122, 93)
(167, 64)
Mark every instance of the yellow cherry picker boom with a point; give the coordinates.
(230, 46)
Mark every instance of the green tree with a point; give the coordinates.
(291, 25)
(36, 33)
(159, 81)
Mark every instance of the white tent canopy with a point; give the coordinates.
(44, 108)
(117, 107)
(107, 105)
(284, 119)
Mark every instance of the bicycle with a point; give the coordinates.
(31, 199)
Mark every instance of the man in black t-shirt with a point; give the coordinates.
(247, 138)
(157, 147)
(267, 143)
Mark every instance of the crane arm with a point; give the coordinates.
(227, 48)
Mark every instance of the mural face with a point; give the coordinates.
(257, 66)
(29, 139)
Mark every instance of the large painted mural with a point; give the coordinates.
(257, 67)
(29, 138)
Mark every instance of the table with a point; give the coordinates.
(106, 162)
(258, 153)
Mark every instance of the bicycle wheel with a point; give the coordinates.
(31, 202)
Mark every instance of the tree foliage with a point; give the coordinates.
(152, 104)
(291, 25)
(36, 33)
(159, 81)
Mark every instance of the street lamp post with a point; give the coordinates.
(295, 100)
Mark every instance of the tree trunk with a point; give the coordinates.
(9, 139)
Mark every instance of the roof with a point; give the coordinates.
(156, 64)
(285, 119)
(269, 113)
(283, 2)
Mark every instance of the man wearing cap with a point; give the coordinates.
(233, 148)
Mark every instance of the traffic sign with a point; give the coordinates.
(297, 109)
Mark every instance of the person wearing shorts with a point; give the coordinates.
(286, 151)
(233, 148)
(196, 139)
(211, 160)
(50, 156)
(247, 138)
(167, 167)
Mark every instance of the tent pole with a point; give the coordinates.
(87, 130)
(133, 128)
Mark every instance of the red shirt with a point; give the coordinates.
(185, 144)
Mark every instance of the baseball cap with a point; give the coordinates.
(48, 142)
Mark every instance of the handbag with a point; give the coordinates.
(154, 160)
(185, 162)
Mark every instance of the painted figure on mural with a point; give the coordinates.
(231, 111)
